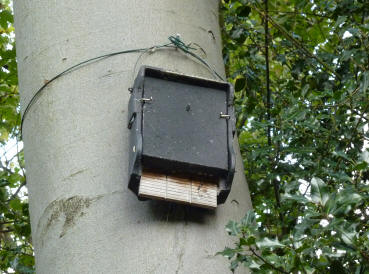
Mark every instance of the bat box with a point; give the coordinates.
(181, 135)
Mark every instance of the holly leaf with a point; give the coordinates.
(319, 191)
(269, 243)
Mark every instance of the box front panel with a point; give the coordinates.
(182, 123)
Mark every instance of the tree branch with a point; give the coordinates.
(266, 27)
(297, 43)
(5, 223)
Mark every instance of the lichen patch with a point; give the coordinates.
(68, 209)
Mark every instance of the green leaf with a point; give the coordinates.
(319, 191)
(343, 155)
(295, 197)
(15, 204)
(25, 269)
(365, 156)
(253, 265)
(249, 218)
(361, 166)
(232, 228)
(349, 197)
(365, 81)
(4, 135)
(340, 20)
(347, 236)
(5, 18)
(239, 84)
(244, 11)
(269, 243)
(227, 252)
(304, 90)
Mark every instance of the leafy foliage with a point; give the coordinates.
(310, 181)
(16, 253)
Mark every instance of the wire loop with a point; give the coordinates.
(175, 41)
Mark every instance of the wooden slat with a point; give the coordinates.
(178, 189)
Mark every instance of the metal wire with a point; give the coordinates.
(175, 42)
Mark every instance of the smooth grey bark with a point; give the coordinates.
(83, 217)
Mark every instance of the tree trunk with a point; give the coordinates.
(83, 217)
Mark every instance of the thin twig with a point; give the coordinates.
(266, 262)
(6, 230)
(364, 255)
(5, 168)
(17, 191)
(19, 162)
(300, 13)
(6, 223)
(16, 251)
